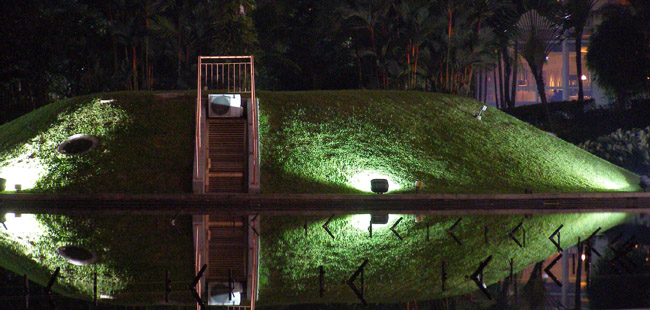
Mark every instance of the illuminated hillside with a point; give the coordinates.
(311, 142)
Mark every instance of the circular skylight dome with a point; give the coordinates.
(78, 144)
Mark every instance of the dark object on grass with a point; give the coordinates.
(644, 182)
(379, 186)
(78, 144)
(77, 255)
(379, 219)
(3, 184)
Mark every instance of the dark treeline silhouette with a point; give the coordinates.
(59, 49)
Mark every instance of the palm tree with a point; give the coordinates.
(504, 22)
(373, 16)
(578, 13)
(415, 28)
(538, 36)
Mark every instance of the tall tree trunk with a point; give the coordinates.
(448, 43)
(415, 70)
(578, 39)
(470, 76)
(147, 80)
(507, 72)
(479, 85)
(496, 89)
(539, 80)
(515, 70)
(620, 100)
(180, 52)
(577, 300)
(356, 50)
(129, 82)
(485, 83)
(376, 74)
(502, 297)
(114, 37)
(502, 102)
(135, 68)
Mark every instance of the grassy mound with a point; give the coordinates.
(315, 142)
(311, 142)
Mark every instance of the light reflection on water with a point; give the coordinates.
(351, 235)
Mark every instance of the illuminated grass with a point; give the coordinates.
(311, 142)
(316, 142)
(134, 252)
(400, 271)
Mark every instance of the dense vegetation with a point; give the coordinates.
(619, 51)
(312, 142)
(625, 148)
(578, 122)
(74, 47)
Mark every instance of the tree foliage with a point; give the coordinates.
(538, 35)
(577, 14)
(71, 47)
(619, 52)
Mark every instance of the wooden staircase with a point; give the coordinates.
(226, 160)
(228, 248)
(227, 156)
(227, 237)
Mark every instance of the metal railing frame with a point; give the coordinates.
(232, 86)
(223, 77)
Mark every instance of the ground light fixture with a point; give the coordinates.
(378, 219)
(478, 115)
(378, 186)
(78, 144)
(3, 184)
(77, 255)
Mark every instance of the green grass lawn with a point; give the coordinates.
(311, 142)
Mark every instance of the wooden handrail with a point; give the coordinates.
(224, 81)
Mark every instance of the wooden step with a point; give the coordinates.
(227, 156)
(227, 248)
(225, 184)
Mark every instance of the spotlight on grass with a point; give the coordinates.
(362, 180)
(378, 186)
(22, 170)
(24, 227)
(478, 115)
